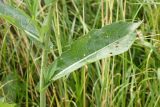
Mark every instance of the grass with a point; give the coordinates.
(130, 79)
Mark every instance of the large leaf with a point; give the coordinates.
(110, 40)
(19, 19)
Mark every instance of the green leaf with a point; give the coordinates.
(108, 41)
(47, 2)
(11, 87)
(7, 105)
(19, 19)
(50, 72)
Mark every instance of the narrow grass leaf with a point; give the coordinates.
(110, 40)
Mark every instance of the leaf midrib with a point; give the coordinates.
(61, 72)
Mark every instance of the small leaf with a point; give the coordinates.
(12, 87)
(110, 40)
(51, 70)
(19, 19)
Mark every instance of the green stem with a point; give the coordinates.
(45, 39)
(42, 90)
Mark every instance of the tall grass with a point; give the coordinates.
(131, 79)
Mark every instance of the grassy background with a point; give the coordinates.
(131, 79)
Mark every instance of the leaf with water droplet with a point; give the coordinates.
(110, 40)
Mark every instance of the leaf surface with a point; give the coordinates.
(19, 19)
(7, 105)
(108, 41)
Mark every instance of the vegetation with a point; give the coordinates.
(39, 40)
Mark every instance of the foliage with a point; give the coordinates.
(129, 79)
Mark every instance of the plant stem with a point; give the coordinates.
(43, 68)
(45, 39)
